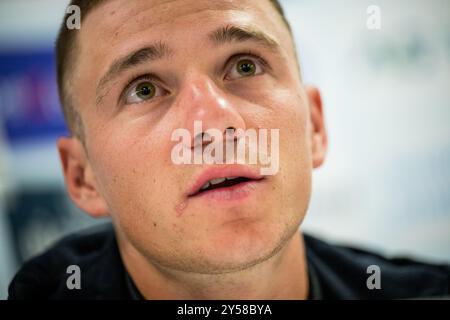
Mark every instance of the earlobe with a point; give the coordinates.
(319, 140)
(79, 178)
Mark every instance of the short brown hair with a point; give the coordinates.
(65, 56)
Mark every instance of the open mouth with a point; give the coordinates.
(222, 183)
(235, 180)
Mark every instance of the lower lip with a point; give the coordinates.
(237, 192)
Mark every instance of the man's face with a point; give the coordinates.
(192, 77)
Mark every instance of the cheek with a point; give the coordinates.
(286, 109)
(289, 113)
(130, 170)
(295, 153)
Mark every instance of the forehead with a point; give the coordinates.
(122, 24)
(116, 17)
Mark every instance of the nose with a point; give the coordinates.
(200, 99)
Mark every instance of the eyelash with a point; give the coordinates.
(231, 61)
(249, 53)
(135, 82)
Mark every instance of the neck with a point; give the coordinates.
(283, 276)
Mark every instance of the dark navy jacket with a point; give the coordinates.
(335, 272)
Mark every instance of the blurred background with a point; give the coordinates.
(385, 185)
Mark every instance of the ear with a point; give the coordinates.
(319, 140)
(79, 178)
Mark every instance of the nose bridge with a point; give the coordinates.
(202, 100)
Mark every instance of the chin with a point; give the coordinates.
(243, 247)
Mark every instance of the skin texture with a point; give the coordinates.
(212, 250)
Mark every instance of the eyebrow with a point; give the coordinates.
(220, 36)
(149, 53)
(232, 33)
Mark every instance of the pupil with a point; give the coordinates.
(246, 67)
(145, 90)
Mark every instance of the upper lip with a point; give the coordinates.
(222, 172)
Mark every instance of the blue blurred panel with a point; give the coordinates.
(29, 102)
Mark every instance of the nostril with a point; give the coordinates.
(230, 133)
(201, 138)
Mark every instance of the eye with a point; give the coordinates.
(141, 91)
(245, 67)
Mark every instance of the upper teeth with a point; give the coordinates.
(216, 181)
